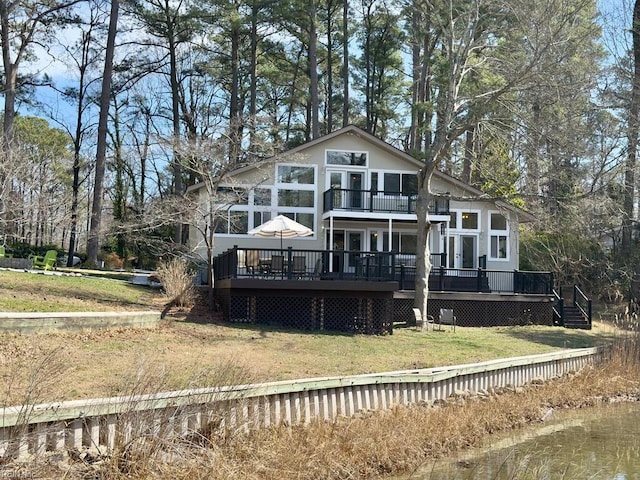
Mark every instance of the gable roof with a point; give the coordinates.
(354, 130)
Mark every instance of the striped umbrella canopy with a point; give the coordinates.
(281, 226)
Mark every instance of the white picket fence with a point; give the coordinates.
(108, 422)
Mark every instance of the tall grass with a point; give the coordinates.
(177, 281)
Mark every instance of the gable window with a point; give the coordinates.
(410, 184)
(498, 237)
(339, 157)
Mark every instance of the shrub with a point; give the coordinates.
(113, 261)
(177, 280)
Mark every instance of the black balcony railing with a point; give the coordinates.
(290, 264)
(376, 201)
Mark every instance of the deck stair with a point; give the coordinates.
(573, 318)
(573, 313)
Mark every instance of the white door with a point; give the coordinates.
(462, 251)
(350, 185)
(354, 243)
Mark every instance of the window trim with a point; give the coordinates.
(459, 212)
(491, 233)
(301, 186)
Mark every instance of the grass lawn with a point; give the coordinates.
(181, 353)
(37, 292)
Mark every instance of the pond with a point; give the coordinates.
(595, 443)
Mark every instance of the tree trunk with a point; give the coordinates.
(423, 254)
(345, 63)
(313, 71)
(178, 185)
(234, 102)
(93, 241)
(329, 100)
(77, 148)
(632, 136)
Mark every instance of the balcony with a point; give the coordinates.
(344, 199)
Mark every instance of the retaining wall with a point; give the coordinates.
(109, 422)
(37, 322)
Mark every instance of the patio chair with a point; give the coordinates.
(252, 262)
(317, 271)
(3, 253)
(48, 262)
(448, 318)
(423, 323)
(277, 265)
(299, 267)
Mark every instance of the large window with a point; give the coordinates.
(498, 237)
(232, 195)
(401, 242)
(232, 216)
(470, 221)
(306, 219)
(296, 198)
(338, 157)
(465, 220)
(394, 183)
(295, 194)
(262, 197)
(232, 222)
(296, 174)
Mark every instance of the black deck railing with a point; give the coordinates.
(377, 201)
(290, 264)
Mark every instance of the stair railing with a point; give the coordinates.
(558, 307)
(583, 303)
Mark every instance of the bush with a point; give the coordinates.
(113, 261)
(177, 279)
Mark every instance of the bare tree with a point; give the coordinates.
(511, 41)
(633, 129)
(23, 24)
(101, 152)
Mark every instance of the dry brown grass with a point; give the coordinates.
(177, 282)
(97, 363)
(376, 443)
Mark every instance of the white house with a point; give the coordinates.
(357, 193)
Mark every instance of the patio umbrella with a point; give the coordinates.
(282, 227)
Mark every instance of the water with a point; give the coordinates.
(595, 443)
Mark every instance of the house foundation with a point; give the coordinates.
(319, 305)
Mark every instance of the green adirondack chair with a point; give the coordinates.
(48, 262)
(3, 252)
